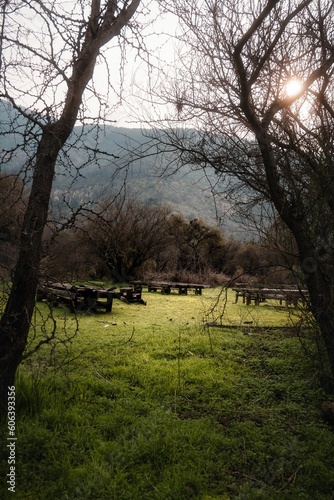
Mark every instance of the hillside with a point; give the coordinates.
(187, 192)
(98, 164)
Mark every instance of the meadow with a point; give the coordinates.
(147, 402)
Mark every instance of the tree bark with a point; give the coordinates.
(16, 319)
(321, 290)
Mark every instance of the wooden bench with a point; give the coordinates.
(288, 294)
(247, 292)
(291, 296)
(131, 295)
(76, 297)
(167, 286)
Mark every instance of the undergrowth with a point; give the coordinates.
(149, 403)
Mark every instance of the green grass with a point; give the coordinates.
(147, 403)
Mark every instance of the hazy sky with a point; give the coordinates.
(35, 84)
(143, 75)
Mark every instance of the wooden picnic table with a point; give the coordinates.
(167, 286)
(261, 293)
(76, 297)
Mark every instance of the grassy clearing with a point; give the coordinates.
(146, 403)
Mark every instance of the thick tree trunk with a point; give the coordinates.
(103, 25)
(321, 289)
(325, 321)
(16, 319)
(319, 274)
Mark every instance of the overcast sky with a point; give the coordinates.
(34, 83)
(141, 75)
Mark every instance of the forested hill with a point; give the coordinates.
(130, 165)
(144, 175)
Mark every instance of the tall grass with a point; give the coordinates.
(150, 403)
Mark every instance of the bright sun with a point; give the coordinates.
(293, 87)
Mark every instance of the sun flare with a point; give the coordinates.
(293, 87)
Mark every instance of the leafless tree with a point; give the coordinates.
(127, 234)
(254, 90)
(49, 51)
(198, 248)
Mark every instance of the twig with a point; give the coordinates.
(131, 337)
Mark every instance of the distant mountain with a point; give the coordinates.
(98, 164)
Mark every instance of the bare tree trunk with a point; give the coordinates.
(325, 321)
(16, 319)
(243, 60)
(104, 24)
(318, 275)
(321, 290)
